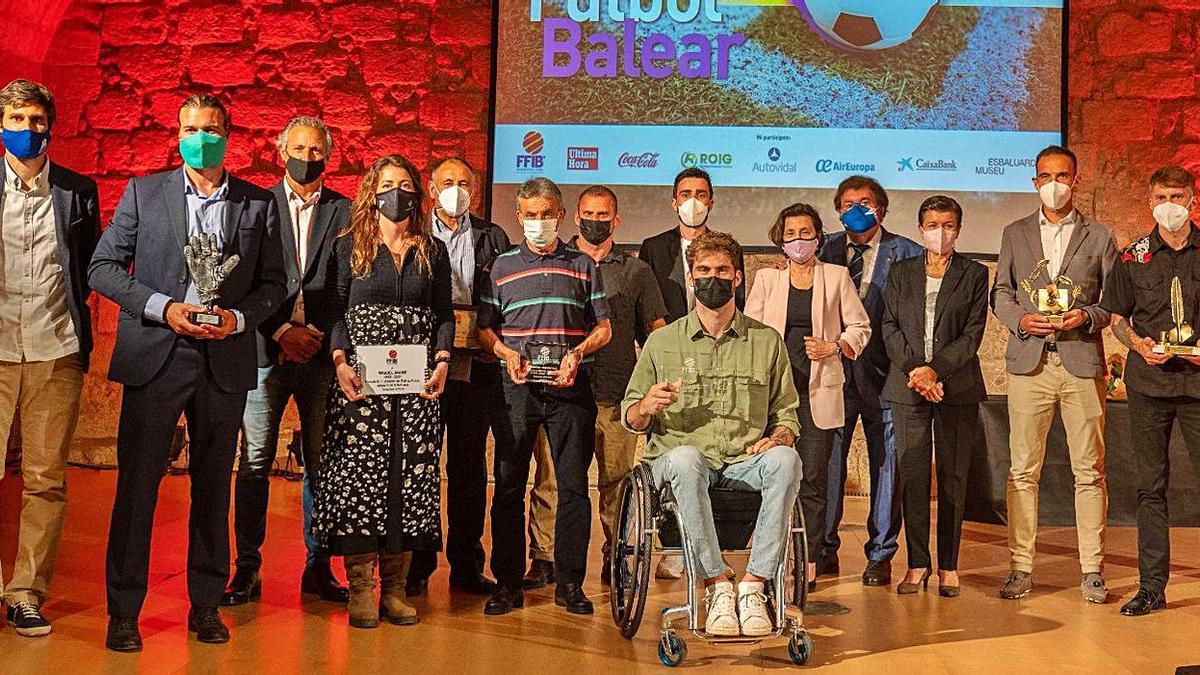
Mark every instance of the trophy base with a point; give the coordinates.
(542, 374)
(1055, 319)
(1175, 350)
(205, 318)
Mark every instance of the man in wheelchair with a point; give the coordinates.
(714, 393)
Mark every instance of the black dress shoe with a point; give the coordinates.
(828, 566)
(245, 586)
(878, 573)
(123, 635)
(571, 596)
(318, 580)
(415, 587)
(503, 601)
(476, 584)
(1144, 602)
(540, 574)
(208, 627)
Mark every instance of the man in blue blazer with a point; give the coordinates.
(172, 364)
(868, 251)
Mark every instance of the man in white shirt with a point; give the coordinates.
(50, 220)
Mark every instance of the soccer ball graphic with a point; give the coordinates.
(867, 25)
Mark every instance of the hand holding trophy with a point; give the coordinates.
(1052, 299)
(203, 256)
(1180, 340)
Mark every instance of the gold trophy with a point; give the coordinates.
(1176, 341)
(1053, 299)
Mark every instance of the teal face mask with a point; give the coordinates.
(203, 150)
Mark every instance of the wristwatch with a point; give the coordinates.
(444, 358)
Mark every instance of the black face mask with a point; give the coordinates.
(305, 172)
(714, 292)
(397, 204)
(595, 231)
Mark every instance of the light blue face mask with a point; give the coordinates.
(203, 150)
(859, 218)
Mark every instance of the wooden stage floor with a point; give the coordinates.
(1052, 630)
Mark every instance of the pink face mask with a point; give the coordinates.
(939, 240)
(800, 251)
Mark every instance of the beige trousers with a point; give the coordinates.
(616, 454)
(47, 393)
(1031, 402)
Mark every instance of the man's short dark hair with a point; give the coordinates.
(209, 101)
(861, 183)
(940, 204)
(1173, 177)
(793, 211)
(600, 191)
(692, 172)
(1052, 150)
(713, 242)
(19, 93)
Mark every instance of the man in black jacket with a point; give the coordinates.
(170, 364)
(50, 217)
(293, 360)
(473, 401)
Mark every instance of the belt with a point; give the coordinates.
(1051, 346)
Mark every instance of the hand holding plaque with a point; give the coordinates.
(544, 360)
(1180, 340)
(1053, 299)
(203, 256)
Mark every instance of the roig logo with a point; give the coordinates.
(706, 160)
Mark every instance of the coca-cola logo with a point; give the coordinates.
(646, 160)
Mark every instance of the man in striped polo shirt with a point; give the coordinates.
(547, 292)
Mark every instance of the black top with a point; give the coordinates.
(799, 324)
(412, 287)
(1139, 288)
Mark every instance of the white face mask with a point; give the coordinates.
(1055, 195)
(454, 201)
(939, 241)
(539, 233)
(1172, 216)
(693, 212)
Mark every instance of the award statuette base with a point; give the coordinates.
(1175, 350)
(544, 361)
(1055, 319)
(205, 318)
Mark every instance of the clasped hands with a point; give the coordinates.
(518, 368)
(924, 381)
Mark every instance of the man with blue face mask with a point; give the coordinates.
(172, 234)
(868, 251)
(50, 218)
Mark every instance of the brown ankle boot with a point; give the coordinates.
(360, 573)
(393, 604)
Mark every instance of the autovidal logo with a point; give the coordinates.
(996, 166)
(907, 164)
(830, 166)
(532, 160)
(583, 159)
(706, 160)
(774, 155)
(646, 160)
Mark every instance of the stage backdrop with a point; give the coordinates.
(413, 77)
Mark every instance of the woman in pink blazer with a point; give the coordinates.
(816, 309)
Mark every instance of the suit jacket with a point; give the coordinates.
(837, 314)
(959, 318)
(664, 254)
(1090, 254)
(76, 205)
(316, 281)
(490, 240)
(141, 253)
(869, 371)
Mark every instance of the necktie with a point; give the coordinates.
(856, 263)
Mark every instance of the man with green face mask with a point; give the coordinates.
(171, 364)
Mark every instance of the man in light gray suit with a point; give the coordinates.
(1055, 364)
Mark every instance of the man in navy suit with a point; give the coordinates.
(50, 217)
(170, 364)
(868, 251)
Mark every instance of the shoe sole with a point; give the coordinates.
(359, 623)
(575, 610)
(496, 612)
(1015, 597)
(761, 633)
(736, 632)
(218, 641)
(123, 649)
(877, 582)
(1149, 611)
(32, 632)
(1097, 601)
(228, 601)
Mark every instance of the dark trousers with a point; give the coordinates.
(814, 447)
(883, 520)
(569, 419)
(1151, 436)
(149, 414)
(470, 409)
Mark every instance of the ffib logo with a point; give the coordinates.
(533, 159)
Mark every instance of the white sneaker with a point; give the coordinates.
(721, 604)
(670, 567)
(752, 609)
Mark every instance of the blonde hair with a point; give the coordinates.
(364, 222)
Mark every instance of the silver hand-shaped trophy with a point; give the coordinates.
(203, 256)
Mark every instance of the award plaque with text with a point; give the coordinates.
(544, 360)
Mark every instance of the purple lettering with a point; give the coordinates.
(552, 47)
(601, 61)
(724, 42)
(629, 34)
(656, 49)
(698, 62)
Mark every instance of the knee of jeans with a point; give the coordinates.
(686, 461)
(782, 462)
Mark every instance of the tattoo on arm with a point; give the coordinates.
(1122, 331)
(782, 436)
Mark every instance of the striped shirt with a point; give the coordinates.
(529, 297)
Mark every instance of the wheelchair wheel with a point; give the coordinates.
(672, 650)
(797, 564)
(631, 554)
(800, 647)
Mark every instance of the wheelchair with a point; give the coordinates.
(646, 515)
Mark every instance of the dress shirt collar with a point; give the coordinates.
(695, 329)
(221, 193)
(464, 224)
(294, 196)
(41, 182)
(1071, 218)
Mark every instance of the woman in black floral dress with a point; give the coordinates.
(379, 488)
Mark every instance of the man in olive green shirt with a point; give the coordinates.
(714, 391)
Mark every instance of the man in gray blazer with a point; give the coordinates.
(1055, 364)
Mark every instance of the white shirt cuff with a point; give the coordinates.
(156, 306)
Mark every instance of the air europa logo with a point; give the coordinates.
(692, 56)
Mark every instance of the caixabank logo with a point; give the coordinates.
(706, 160)
(532, 160)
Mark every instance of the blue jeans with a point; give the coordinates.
(883, 521)
(775, 474)
(307, 383)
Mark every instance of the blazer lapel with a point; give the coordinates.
(884, 258)
(316, 232)
(677, 272)
(818, 298)
(954, 274)
(287, 231)
(63, 202)
(234, 208)
(1033, 238)
(1077, 237)
(177, 205)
